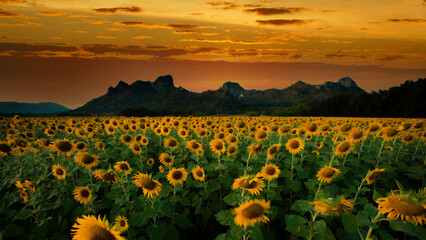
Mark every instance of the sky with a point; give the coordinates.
(71, 51)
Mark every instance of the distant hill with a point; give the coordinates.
(231, 98)
(36, 108)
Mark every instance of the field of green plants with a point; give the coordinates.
(212, 178)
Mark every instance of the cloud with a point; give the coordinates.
(52, 14)
(132, 9)
(142, 37)
(245, 42)
(275, 11)
(345, 56)
(223, 5)
(26, 23)
(150, 25)
(185, 32)
(9, 37)
(336, 41)
(20, 2)
(284, 22)
(391, 58)
(24, 47)
(105, 37)
(6, 14)
(134, 50)
(406, 20)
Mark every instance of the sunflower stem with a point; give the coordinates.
(380, 152)
(359, 189)
(267, 193)
(316, 194)
(292, 163)
(370, 230)
(311, 234)
(344, 160)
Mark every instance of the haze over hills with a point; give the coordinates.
(36, 108)
(230, 98)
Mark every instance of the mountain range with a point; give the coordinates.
(231, 98)
(34, 108)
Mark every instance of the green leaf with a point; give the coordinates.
(138, 219)
(295, 225)
(295, 186)
(225, 217)
(362, 219)
(400, 226)
(182, 221)
(386, 235)
(371, 210)
(376, 195)
(256, 234)
(301, 206)
(349, 222)
(24, 214)
(221, 236)
(12, 231)
(400, 187)
(230, 199)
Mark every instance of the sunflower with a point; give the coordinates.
(171, 142)
(231, 139)
(150, 161)
(161, 168)
(270, 172)
(345, 128)
(107, 176)
(4, 148)
(86, 160)
(295, 145)
(333, 207)
(63, 147)
(251, 212)
(232, 150)
(193, 146)
(149, 186)
(252, 184)
(273, 150)
(126, 139)
(82, 195)
(198, 173)
(389, 134)
(81, 146)
(177, 176)
(92, 228)
(408, 138)
(344, 148)
(166, 159)
(121, 223)
(261, 135)
(136, 149)
(123, 166)
(319, 145)
(356, 135)
(29, 185)
(373, 175)
(217, 146)
(409, 206)
(49, 132)
(100, 146)
(59, 172)
(327, 174)
(312, 128)
(254, 149)
(374, 128)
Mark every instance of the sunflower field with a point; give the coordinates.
(212, 178)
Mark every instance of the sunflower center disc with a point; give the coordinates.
(199, 173)
(374, 176)
(253, 211)
(273, 150)
(406, 208)
(247, 185)
(294, 145)
(328, 173)
(124, 166)
(59, 172)
(391, 132)
(270, 171)
(345, 147)
(4, 147)
(84, 193)
(177, 175)
(64, 146)
(108, 177)
(149, 184)
(87, 159)
(99, 233)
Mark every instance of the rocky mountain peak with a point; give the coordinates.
(164, 83)
(232, 88)
(347, 82)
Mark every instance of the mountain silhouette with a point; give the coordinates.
(38, 108)
(231, 98)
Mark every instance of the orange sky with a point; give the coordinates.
(70, 51)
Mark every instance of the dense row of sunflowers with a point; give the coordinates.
(218, 177)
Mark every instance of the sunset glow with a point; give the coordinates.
(71, 51)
